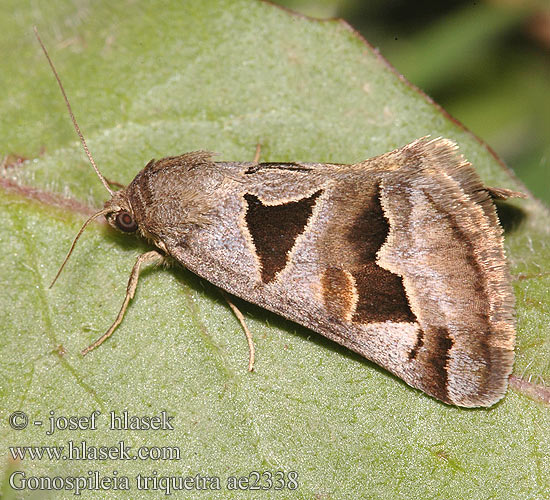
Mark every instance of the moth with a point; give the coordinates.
(399, 258)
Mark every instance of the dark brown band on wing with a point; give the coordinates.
(274, 229)
(438, 343)
(381, 293)
(477, 287)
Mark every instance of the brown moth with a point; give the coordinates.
(399, 258)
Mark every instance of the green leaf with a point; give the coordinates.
(152, 79)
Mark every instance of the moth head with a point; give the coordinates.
(119, 214)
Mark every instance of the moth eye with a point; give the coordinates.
(125, 222)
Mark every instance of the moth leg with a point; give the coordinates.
(115, 183)
(503, 193)
(257, 153)
(146, 258)
(240, 317)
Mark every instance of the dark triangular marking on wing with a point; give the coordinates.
(274, 229)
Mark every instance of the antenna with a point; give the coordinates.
(76, 127)
(101, 212)
(85, 146)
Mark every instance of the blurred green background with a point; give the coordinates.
(486, 62)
